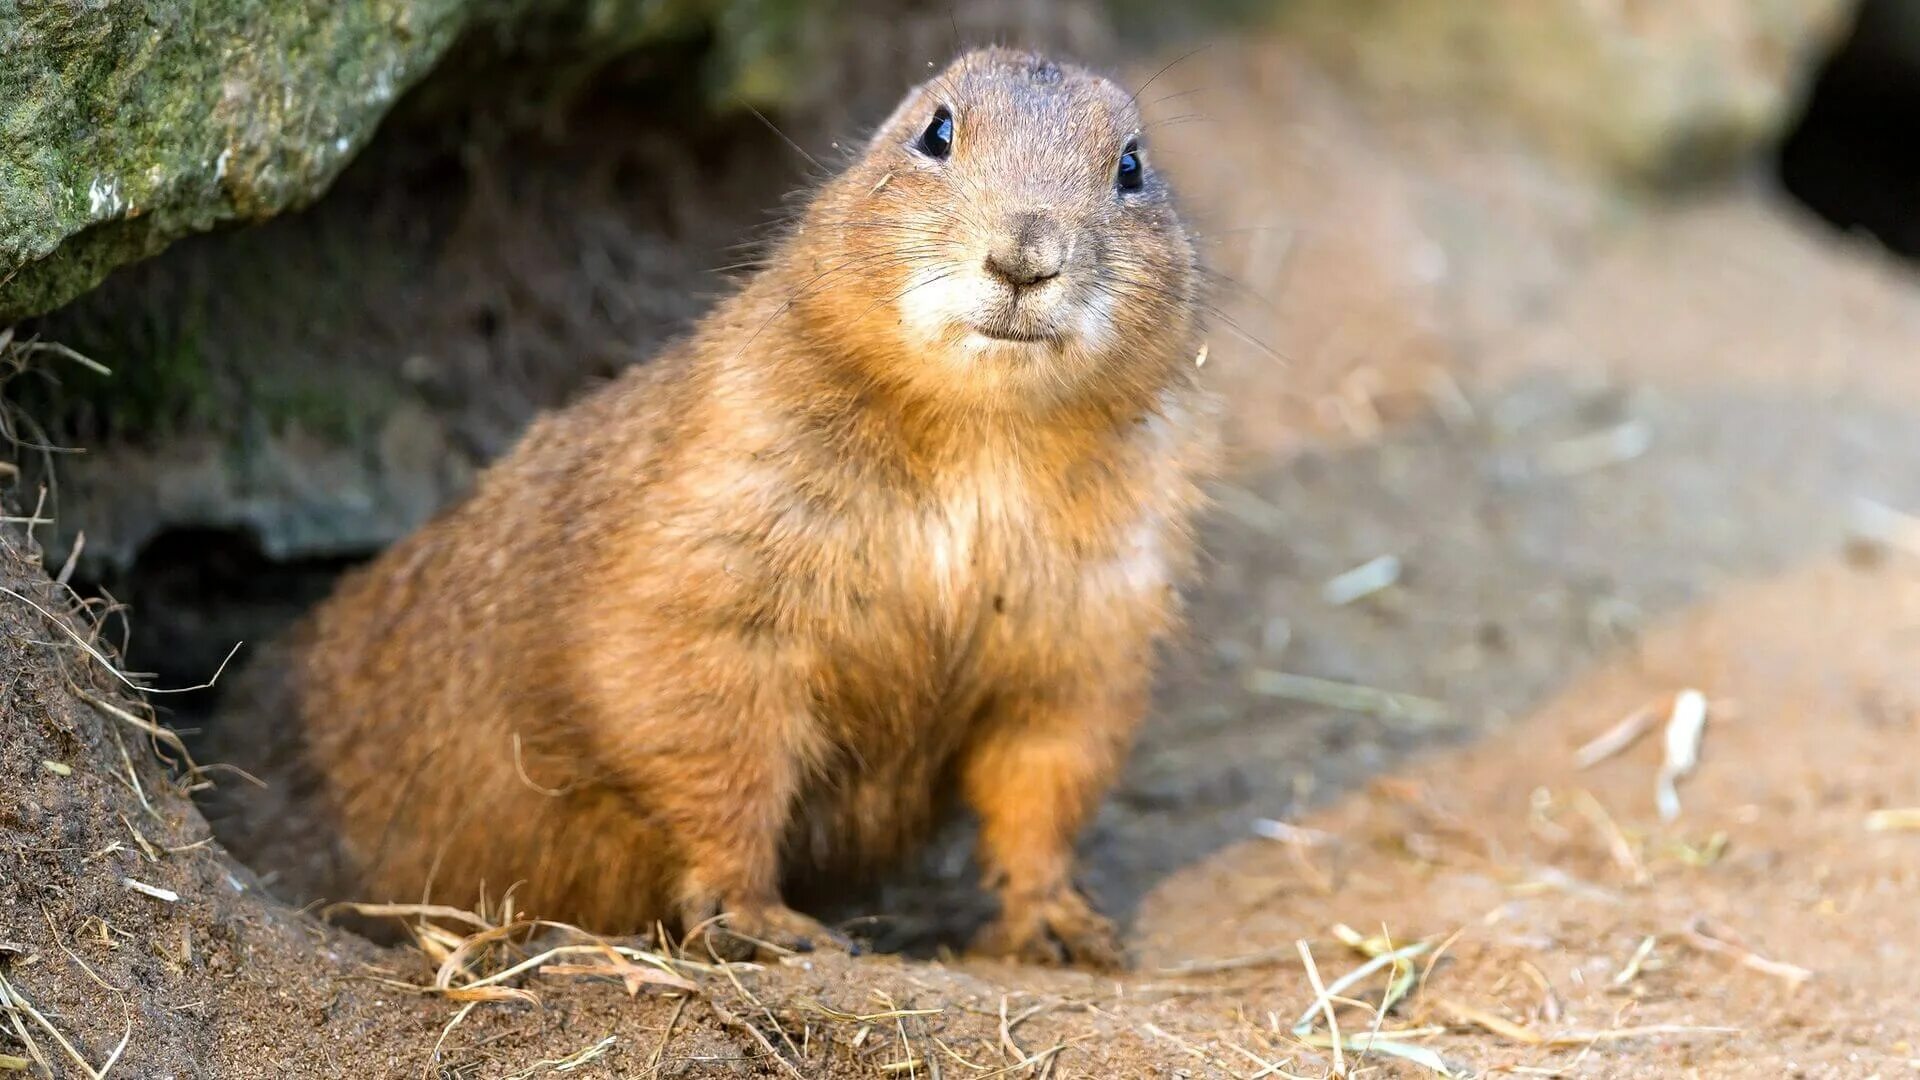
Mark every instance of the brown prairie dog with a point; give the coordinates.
(894, 530)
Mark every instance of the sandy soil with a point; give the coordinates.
(1617, 450)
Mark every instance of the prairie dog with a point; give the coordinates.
(895, 529)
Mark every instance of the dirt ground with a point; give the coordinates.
(1619, 452)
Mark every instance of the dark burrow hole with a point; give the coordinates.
(1852, 158)
(194, 594)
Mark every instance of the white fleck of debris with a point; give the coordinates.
(1362, 581)
(1200, 358)
(1898, 819)
(1276, 635)
(103, 198)
(1271, 829)
(1232, 651)
(238, 885)
(1430, 262)
(1882, 524)
(1448, 399)
(417, 368)
(1685, 727)
(1616, 445)
(154, 891)
(340, 144)
(220, 163)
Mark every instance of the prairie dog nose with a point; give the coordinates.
(1030, 249)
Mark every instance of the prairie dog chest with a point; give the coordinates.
(1002, 551)
(1024, 549)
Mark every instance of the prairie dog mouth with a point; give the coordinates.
(941, 304)
(1003, 333)
(1026, 319)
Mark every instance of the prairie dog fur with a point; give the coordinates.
(894, 530)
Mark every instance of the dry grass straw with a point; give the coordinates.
(750, 1030)
(107, 664)
(1631, 970)
(1615, 445)
(1323, 1001)
(167, 745)
(23, 1017)
(1320, 1024)
(25, 351)
(666, 1037)
(477, 958)
(1159, 1032)
(1039, 1063)
(1619, 848)
(1263, 958)
(1394, 705)
(1721, 941)
(1397, 959)
(1402, 979)
(1616, 739)
(1362, 581)
(1900, 819)
(493, 956)
(93, 614)
(571, 1062)
(17, 1006)
(155, 891)
(1488, 1021)
(481, 957)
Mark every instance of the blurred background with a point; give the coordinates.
(1571, 347)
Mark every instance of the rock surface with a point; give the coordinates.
(130, 124)
(1648, 91)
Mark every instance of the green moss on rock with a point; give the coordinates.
(128, 125)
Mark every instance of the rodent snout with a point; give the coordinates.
(1030, 249)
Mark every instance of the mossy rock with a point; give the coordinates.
(129, 124)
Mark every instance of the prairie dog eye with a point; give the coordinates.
(1133, 171)
(937, 140)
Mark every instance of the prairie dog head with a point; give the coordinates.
(1005, 241)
